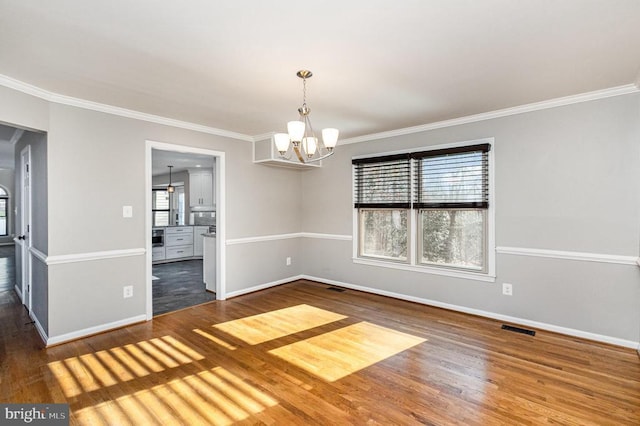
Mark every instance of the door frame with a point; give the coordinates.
(220, 200)
(25, 229)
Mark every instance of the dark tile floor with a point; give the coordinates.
(179, 285)
(7, 267)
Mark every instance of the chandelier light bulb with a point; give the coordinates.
(330, 138)
(309, 144)
(296, 130)
(282, 142)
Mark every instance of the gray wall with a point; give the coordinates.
(567, 179)
(96, 164)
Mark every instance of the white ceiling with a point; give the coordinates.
(180, 161)
(378, 65)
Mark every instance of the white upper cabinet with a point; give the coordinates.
(201, 190)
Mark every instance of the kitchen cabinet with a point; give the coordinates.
(178, 242)
(198, 239)
(201, 190)
(157, 253)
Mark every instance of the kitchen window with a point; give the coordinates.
(4, 208)
(160, 207)
(427, 209)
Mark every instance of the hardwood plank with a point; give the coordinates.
(299, 354)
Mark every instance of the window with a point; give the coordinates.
(425, 209)
(160, 207)
(4, 208)
(383, 195)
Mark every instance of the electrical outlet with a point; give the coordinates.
(127, 211)
(288, 261)
(127, 291)
(507, 289)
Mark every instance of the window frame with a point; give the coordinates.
(383, 258)
(4, 195)
(420, 239)
(414, 230)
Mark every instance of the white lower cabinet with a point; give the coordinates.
(178, 242)
(178, 252)
(157, 253)
(198, 239)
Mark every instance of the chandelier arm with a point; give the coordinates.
(296, 149)
(313, 160)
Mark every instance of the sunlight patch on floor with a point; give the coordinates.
(92, 371)
(215, 397)
(272, 325)
(336, 354)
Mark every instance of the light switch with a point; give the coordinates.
(127, 211)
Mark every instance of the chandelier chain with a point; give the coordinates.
(304, 92)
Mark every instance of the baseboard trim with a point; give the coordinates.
(17, 289)
(86, 332)
(515, 320)
(39, 328)
(264, 286)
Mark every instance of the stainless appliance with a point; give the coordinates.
(157, 237)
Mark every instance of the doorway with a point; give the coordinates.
(177, 262)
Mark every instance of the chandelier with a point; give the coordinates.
(301, 139)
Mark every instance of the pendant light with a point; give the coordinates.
(170, 188)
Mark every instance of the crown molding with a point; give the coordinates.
(537, 106)
(29, 89)
(262, 137)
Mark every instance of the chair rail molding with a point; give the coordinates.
(570, 255)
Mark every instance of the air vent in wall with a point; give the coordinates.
(518, 330)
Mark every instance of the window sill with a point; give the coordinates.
(427, 270)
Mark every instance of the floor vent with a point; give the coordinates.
(518, 330)
(338, 289)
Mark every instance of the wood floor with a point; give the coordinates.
(303, 354)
